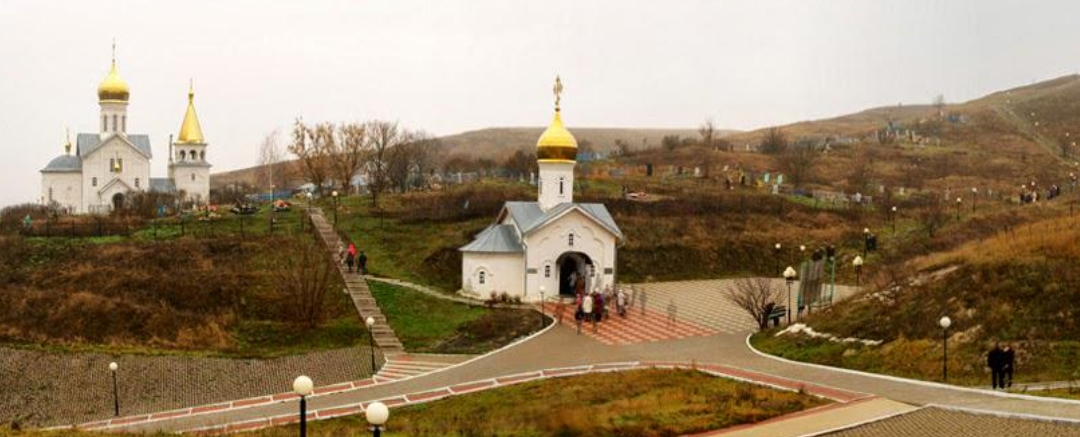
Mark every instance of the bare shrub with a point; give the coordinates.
(757, 296)
(304, 275)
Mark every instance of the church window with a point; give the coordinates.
(183, 155)
(561, 180)
(570, 239)
(93, 182)
(50, 194)
(123, 123)
(136, 182)
(202, 156)
(193, 177)
(104, 123)
(114, 126)
(483, 278)
(112, 165)
(547, 271)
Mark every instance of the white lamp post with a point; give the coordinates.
(303, 387)
(894, 219)
(776, 261)
(789, 276)
(866, 240)
(945, 322)
(958, 202)
(376, 414)
(857, 262)
(543, 289)
(370, 322)
(115, 393)
(334, 195)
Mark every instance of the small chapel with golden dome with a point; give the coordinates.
(550, 247)
(105, 167)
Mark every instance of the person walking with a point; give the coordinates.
(579, 311)
(644, 299)
(620, 302)
(350, 256)
(1008, 358)
(672, 310)
(995, 359)
(362, 263)
(587, 311)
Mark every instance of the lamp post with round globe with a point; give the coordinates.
(376, 414)
(893, 218)
(945, 322)
(866, 241)
(303, 387)
(334, 195)
(958, 202)
(789, 276)
(115, 391)
(857, 262)
(543, 289)
(776, 260)
(370, 322)
(974, 193)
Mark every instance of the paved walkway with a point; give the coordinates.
(562, 347)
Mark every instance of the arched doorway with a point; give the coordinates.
(118, 201)
(572, 266)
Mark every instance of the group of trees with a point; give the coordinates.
(391, 157)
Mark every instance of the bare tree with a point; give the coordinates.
(349, 150)
(312, 161)
(707, 130)
(798, 161)
(757, 296)
(305, 275)
(425, 153)
(939, 104)
(775, 142)
(269, 173)
(383, 136)
(521, 163)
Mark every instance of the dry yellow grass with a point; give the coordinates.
(1033, 243)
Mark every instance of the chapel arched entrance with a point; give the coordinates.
(572, 266)
(118, 201)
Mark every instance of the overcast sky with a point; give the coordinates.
(450, 66)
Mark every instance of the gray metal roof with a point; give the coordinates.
(162, 185)
(88, 143)
(528, 216)
(64, 163)
(496, 238)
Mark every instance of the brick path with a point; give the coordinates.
(636, 327)
(934, 422)
(404, 366)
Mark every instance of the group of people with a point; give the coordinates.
(350, 258)
(592, 306)
(1001, 362)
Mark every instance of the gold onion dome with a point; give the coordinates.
(190, 132)
(556, 143)
(113, 88)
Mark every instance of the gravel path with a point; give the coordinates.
(43, 389)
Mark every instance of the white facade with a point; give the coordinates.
(556, 182)
(63, 189)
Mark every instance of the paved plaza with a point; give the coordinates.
(711, 336)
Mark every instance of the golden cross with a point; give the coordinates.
(558, 91)
(114, 50)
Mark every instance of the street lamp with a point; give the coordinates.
(958, 202)
(303, 387)
(789, 276)
(857, 262)
(115, 392)
(893, 219)
(371, 340)
(945, 322)
(974, 191)
(866, 241)
(776, 260)
(542, 290)
(376, 414)
(334, 195)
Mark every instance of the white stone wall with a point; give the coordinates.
(556, 183)
(108, 111)
(547, 244)
(503, 272)
(197, 189)
(135, 166)
(66, 190)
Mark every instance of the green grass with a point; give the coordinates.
(421, 322)
(269, 339)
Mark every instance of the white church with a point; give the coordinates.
(106, 167)
(548, 244)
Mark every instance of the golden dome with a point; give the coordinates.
(190, 132)
(113, 88)
(556, 143)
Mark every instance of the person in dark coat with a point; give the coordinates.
(362, 263)
(1008, 356)
(996, 361)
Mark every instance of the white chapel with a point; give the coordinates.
(107, 166)
(548, 244)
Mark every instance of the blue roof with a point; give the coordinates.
(87, 143)
(64, 163)
(162, 185)
(496, 239)
(528, 216)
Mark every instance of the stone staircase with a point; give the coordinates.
(358, 290)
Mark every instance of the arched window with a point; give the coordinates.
(183, 155)
(483, 277)
(136, 182)
(561, 180)
(547, 271)
(570, 239)
(93, 182)
(202, 156)
(123, 124)
(104, 123)
(193, 177)
(114, 125)
(50, 194)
